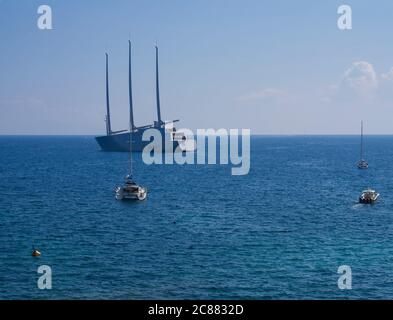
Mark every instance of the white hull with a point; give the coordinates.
(123, 194)
(368, 196)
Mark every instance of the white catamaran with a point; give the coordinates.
(130, 190)
(362, 164)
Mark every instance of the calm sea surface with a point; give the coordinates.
(279, 232)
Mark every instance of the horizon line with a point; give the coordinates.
(256, 134)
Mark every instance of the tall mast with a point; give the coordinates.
(108, 116)
(158, 90)
(132, 126)
(361, 140)
(131, 105)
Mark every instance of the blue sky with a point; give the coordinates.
(276, 67)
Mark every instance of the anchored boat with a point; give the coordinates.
(362, 164)
(130, 190)
(368, 196)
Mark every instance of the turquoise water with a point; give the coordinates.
(279, 232)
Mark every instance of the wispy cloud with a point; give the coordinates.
(266, 95)
(358, 84)
(27, 103)
(388, 75)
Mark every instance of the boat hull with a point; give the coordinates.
(368, 200)
(120, 142)
(362, 164)
(122, 194)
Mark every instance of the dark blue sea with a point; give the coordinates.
(280, 232)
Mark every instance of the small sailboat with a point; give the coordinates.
(362, 164)
(130, 190)
(368, 196)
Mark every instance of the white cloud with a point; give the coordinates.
(360, 78)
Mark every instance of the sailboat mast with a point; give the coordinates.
(130, 87)
(361, 140)
(108, 116)
(158, 90)
(130, 101)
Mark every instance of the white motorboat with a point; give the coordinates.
(368, 196)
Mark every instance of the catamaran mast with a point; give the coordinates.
(361, 140)
(158, 91)
(108, 116)
(131, 104)
(130, 87)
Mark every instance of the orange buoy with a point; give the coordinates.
(36, 253)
